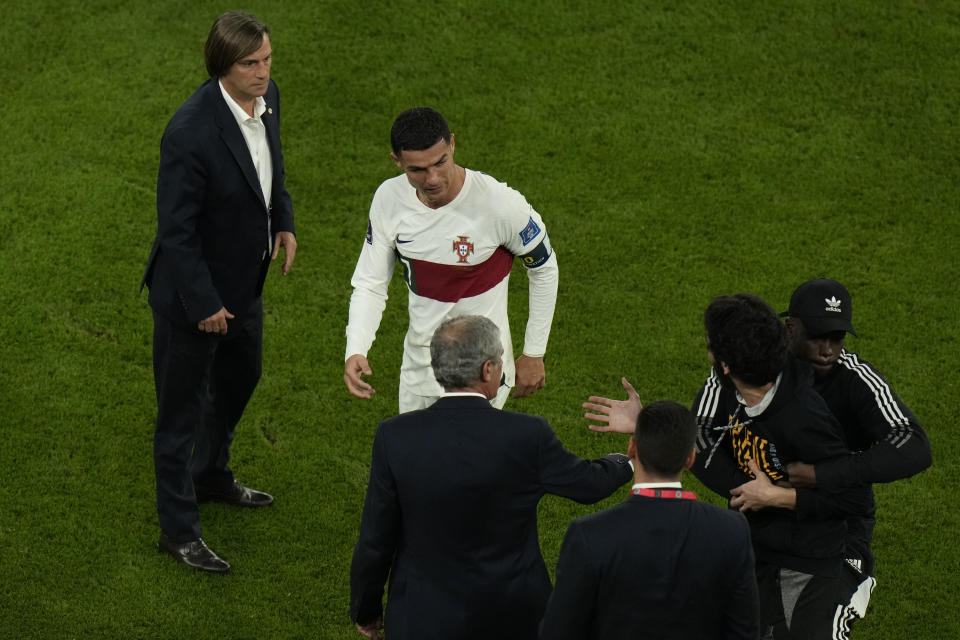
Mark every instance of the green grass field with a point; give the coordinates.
(676, 151)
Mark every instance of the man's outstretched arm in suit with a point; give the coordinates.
(565, 474)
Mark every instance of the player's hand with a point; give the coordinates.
(802, 475)
(217, 323)
(531, 376)
(372, 629)
(760, 493)
(619, 415)
(355, 367)
(288, 241)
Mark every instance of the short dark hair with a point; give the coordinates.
(417, 129)
(234, 34)
(459, 348)
(664, 437)
(745, 333)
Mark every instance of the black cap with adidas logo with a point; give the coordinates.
(823, 306)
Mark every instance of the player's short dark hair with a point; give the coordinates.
(459, 348)
(744, 332)
(417, 129)
(233, 36)
(664, 437)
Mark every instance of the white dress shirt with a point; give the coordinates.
(255, 135)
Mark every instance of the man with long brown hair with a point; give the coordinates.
(223, 213)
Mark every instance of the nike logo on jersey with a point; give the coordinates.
(399, 241)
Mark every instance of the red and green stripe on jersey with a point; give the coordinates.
(453, 282)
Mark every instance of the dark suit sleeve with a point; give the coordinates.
(569, 614)
(587, 481)
(377, 542)
(742, 609)
(181, 184)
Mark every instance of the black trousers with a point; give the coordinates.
(203, 382)
(795, 605)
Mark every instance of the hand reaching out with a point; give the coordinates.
(619, 416)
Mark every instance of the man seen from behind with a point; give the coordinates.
(660, 564)
(451, 506)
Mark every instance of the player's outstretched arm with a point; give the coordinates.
(531, 376)
(619, 416)
(354, 369)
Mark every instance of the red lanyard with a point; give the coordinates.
(676, 494)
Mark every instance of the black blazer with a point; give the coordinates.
(451, 515)
(655, 568)
(211, 245)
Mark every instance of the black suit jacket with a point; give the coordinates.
(211, 248)
(451, 516)
(655, 568)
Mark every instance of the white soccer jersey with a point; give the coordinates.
(456, 261)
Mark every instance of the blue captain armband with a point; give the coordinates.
(539, 255)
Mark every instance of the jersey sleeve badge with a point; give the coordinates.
(531, 231)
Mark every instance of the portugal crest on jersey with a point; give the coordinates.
(463, 248)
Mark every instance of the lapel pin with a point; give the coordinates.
(269, 110)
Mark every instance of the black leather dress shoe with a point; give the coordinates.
(237, 495)
(194, 554)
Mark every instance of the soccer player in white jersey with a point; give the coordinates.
(455, 233)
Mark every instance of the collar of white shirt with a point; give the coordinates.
(259, 106)
(657, 485)
(756, 410)
(459, 394)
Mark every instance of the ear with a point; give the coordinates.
(452, 143)
(396, 160)
(690, 458)
(726, 369)
(488, 370)
(632, 449)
